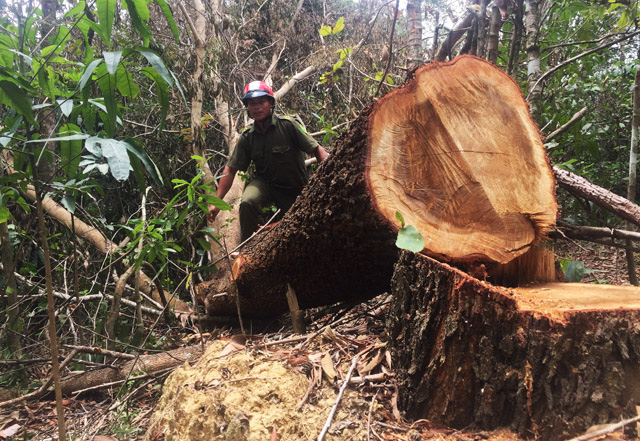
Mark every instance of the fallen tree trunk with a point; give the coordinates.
(580, 187)
(454, 151)
(144, 364)
(549, 361)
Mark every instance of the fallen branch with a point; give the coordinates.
(100, 351)
(325, 429)
(575, 118)
(148, 364)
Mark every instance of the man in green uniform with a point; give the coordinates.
(277, 146)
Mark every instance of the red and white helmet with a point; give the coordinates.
(256, 89)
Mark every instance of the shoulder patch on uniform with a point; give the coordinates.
(245, 129)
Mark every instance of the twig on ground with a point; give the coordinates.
(99, 351)
(373, 400)
(325, 429)
(316, 374)
(607, 429)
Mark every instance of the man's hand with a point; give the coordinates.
(213, 212)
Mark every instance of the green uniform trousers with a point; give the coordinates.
(258, 195)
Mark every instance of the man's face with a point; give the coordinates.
(259, 108)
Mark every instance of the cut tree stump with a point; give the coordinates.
(455, 151)
(549, 361)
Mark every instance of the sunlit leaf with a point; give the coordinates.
(66, 106)
(111, 60)
(325, 31)
(410, 239)
(88, 72)
(339, 26)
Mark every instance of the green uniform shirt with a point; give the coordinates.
(278, 154)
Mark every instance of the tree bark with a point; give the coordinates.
(633, 165)
(455, 34)
(426, 151)
(580, 187)
(534, 71)
(516, 37)
(494, 35)
(147, 364)
(414, 43)
(548, 361)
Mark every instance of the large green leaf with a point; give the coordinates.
(116, 153)
(111, 60)
(45, 81)
(125, 83)
(135, 148)
(138, 10)
(106, 13)
(18, 100)
(70, 151)
(88, 72)
(574, 271)
(107, 84)
(169, 16)
(157, 64)
(162, 91)
(76, 10)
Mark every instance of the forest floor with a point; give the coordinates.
(278, 385)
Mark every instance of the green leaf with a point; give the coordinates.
(111, 60)
(169, 16)
(157, 64)
(88, 72)
(69, 202)
(125, 83)
(18, 100)
(400, 218)
(574, 271)
(106, 13)
(107, 85)
(325, 31)
(46, 83)
(162, 90)
(116, 153)
(410, 239)
(66, 106)
(338, 65)
(76, 10)
(339, 26)
(135, 148)
(70, 150)
(138, 10)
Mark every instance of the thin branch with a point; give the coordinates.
(577, 57)
(575, 118)
(325, 429)
(393, 31)
(608, 429)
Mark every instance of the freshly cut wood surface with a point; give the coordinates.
(457, 153)
(454, 151)
(548, 361)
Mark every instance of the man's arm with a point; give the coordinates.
(224, 184)
(320, 154)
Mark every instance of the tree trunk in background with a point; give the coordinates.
(494, 35)
(516, 38)
(414, 13)
(424, 150)
(633, 165)
(533, 59)
(548, 361)
(46, 164)
(463, 25)
(11, 289)
(482, 29)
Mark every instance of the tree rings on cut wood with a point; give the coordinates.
(454, 151)
(457, 153)
(548, 361)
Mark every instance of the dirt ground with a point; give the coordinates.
(274, 385)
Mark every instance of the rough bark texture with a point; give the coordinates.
(548, 361)
(147, 364)
(332, 229)
(429, 150)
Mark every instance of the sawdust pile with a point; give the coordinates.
(235, 396)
